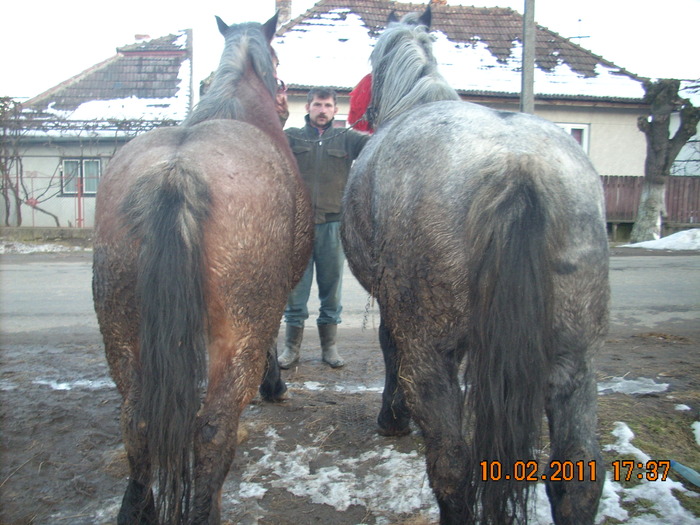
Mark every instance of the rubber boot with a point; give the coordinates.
(292, 343)
(329, 352)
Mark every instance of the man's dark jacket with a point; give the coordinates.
(324, 163)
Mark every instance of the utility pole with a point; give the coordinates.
(527, 90)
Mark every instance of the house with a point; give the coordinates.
(479, 52)
(57, 147)
(73, 129)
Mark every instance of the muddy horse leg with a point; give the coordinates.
(233, 381)
(137, 505)
(272, 388)
(428, 377)
(571, 410)
(394, 416)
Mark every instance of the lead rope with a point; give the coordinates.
(368, 306)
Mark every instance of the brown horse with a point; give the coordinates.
(201, 232)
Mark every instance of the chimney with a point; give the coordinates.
(285, 9)
(438, 2)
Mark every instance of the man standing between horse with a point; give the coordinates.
(324, 154)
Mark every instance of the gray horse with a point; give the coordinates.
(481, 235)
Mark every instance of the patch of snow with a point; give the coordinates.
(23, 248)
(624, 436)
(84, 384)
(391, 480)
(313, 385)
(641, 385)
(665, 508)
(684, 240)
(696, 430)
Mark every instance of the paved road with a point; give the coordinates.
(52, 292)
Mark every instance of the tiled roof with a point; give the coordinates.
(469, 31)
(148, 71)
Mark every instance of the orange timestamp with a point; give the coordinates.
(622, 470)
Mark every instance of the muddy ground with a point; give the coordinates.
(62, 462)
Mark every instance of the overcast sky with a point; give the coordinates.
(44, 42)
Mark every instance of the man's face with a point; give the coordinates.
(321, 111)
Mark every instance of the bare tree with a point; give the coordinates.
(10, 161)
(664, 100)
(15, 192)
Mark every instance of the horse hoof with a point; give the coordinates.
(393, 432)
(273, 395)
(278, 398)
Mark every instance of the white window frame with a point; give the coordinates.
(69, 186)
(572, 128)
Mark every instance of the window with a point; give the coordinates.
(579, 132)
(80, 176)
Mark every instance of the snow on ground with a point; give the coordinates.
(684, 240)
(641, 385)
(23, 248)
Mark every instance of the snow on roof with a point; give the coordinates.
(478, 51)
(149, 81)
(332, 49)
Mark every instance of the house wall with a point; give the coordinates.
(688, 160)
(616, 146)
(41, 180)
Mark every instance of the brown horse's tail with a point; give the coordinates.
(510, 287)
(166, 211)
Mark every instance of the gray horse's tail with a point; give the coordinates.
(510, 284)
(166, 210)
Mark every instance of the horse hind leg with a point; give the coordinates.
(575, 474)
(234, 377)
(273, 389)
(428, 377)
(138, 506)
(394, 417)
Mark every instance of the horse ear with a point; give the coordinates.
(270, 27)
(223, 26)
(392, 18)
(426, 18)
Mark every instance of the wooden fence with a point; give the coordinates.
(622, 199)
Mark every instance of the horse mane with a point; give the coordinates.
(244, 43)
(404, 71)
